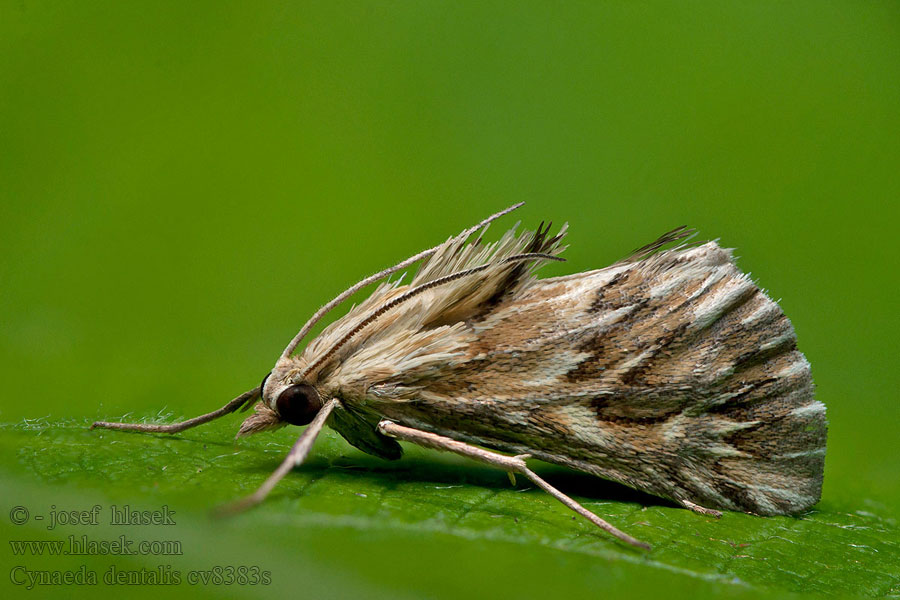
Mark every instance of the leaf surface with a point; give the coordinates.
(429, 524)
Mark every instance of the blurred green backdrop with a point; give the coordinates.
(183, 183)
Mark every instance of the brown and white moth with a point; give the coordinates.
(669, 371)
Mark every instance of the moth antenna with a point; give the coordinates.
(381, 275)
(412, 293)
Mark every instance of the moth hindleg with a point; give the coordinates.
(512, 464)
(244, 399)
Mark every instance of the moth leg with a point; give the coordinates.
(244, 399)
(511, 464)
(296, 456)
(700, 510)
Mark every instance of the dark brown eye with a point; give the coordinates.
(298, 404)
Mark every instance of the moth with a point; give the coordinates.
(669, 371)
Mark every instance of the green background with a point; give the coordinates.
(182, 184)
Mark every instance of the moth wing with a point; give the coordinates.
(672, 373)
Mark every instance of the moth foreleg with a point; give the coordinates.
(244, 399)
(295, 457)
(511, 464)
(700, 510)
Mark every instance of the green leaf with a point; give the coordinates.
(429, 525)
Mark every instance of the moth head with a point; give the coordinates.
(284, 401)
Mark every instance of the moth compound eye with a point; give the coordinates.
(298, 404)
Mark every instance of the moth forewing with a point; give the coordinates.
(674, 374)
(669, 371)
